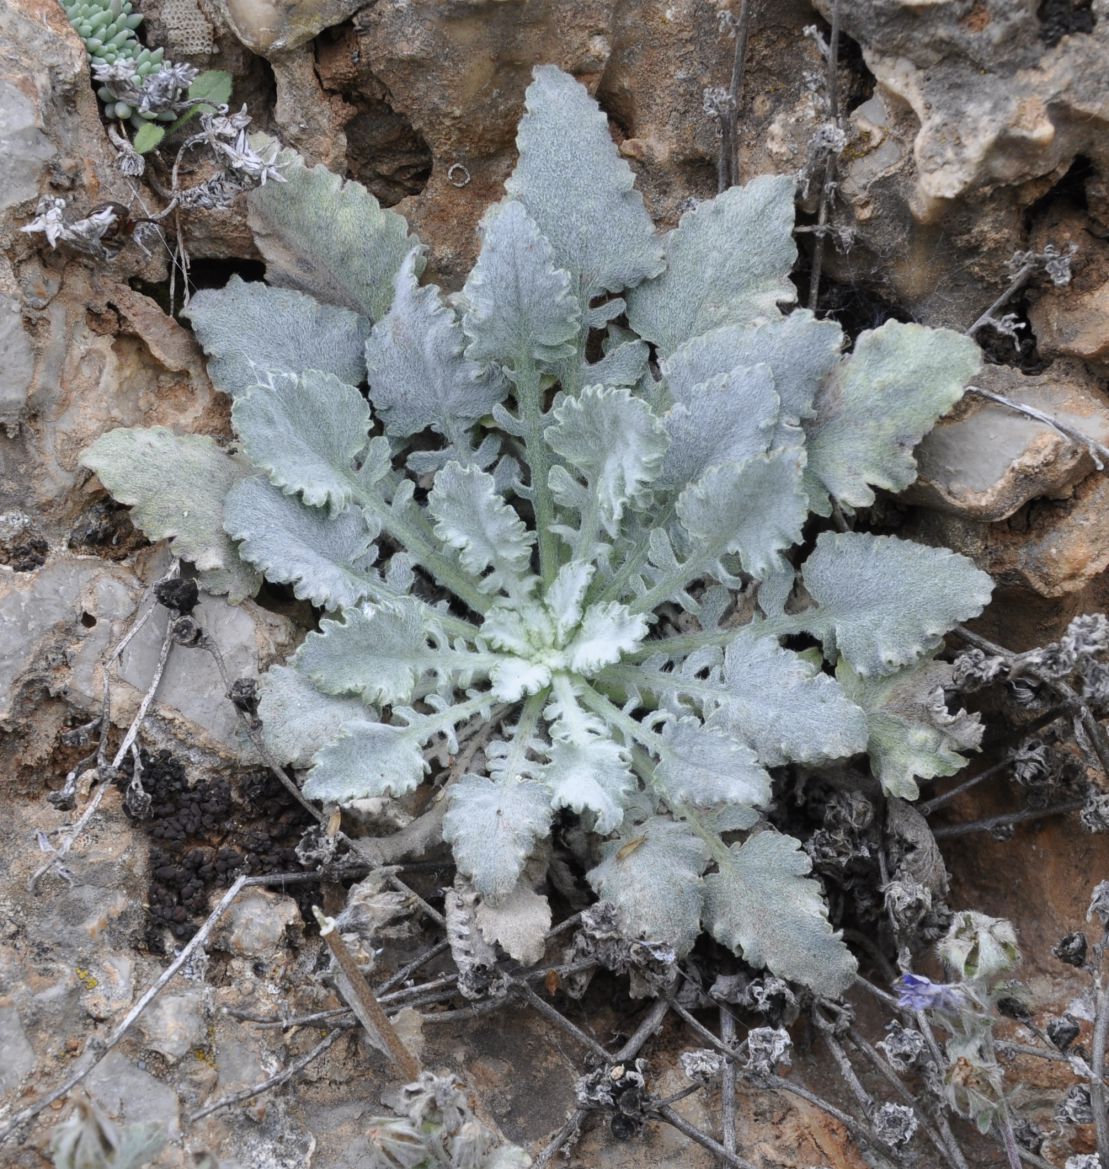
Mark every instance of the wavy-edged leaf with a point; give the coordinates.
(579, 191)
(762, 905)
(727, 262)
(608, 631)
(247, 329)
(781, 704)
(800, 350)
(755, 510)
(590, 775)
(383, 654)
(518, 923)
(652, 875)
(419, 374)
(492, 826)
(304, 432)
(912, 733)
(471, 516)
(612, 440)
(368, 759)
(882, 602)
(885, 397)
(519, 306)
(297, 718)
(320, 556)
(328, 237)
(566, 595)
(176, 485)
(704, 767)
(623, 364)
(727, 419)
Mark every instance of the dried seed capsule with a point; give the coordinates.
(1071, 949)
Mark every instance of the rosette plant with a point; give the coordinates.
(586, 498)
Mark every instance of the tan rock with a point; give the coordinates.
(996, 101)
(987, 461)
(276, 26)
(1053, 548)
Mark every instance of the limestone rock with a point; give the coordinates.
(275, 26)
(17, 361)
(105, 356)
(988, 461)
(42, 610)
(110, 986)
(58, 623)
(131, 1095)
(995, 100)
(1052, 548)
(481, 58)
(254, 926)
(248, 637)
(24, 145)
(174, 1023)
(1073, 320)
(19, 1057)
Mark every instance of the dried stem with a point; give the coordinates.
(884, 1069)
(991, 822)
(1015, 285)
(292, 1070)
(363, 1001)
(400, 975)
(651, 1023)
(542, 1007)
(1097, 1070)
(106, 770)
(828, 180)
(728, 1083)
(728, 168)
(672, 1118)
(1099, 740)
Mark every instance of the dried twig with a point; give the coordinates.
(1099, 740)
(990, 823)
(362, 1000)
(891, 1077)
(728, 163)
(651, 1023)
(672, 1118)
(1022, 277)
(1097, 1058)
(552, 1015)
(275, 1081)
(728, 1082)
(828, 180)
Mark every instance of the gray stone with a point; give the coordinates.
(17, 360)
(18, 1056)
(35, 604)
(23, 146)
(174, 1024)
(988, 461)
(133, 1096)
(114, 975)
(276, 26)
(246, 635)
(255, 924)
